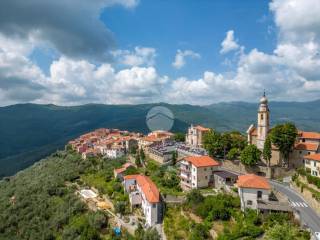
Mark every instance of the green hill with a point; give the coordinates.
(30, 131)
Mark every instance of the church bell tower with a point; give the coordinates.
(263, 122)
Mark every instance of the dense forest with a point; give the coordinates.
(38, 203)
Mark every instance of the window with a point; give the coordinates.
(259, 194)
(261, 117)
(307, 161)
(249, 202)
(303, 140)
(153, 205)
(314, 163)
(206, 177)
(205, 169)
(300, 152)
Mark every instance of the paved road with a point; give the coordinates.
(307, 214)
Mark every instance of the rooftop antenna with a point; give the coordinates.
(264, 92)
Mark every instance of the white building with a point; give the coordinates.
(251, 189)
(194, 136)
(312, 164)
(143, 192)
(114, 153)
(197, 171)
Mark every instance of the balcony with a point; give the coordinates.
(185, 176)
(185, 170)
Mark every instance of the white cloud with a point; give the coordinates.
(82, 82)
(229, 43)
(140, 56)
(180, 59)
(290, 72)
(297, 20)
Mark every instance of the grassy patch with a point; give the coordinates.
(176, 225)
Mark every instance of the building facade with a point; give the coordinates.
(194, 136)
(197, 172)
(145, 194)
(252, 189)
(312, 164)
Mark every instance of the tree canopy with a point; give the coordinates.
(179, 137)
(284, 136)
(220, 144)
(267, 150)
(250, 155)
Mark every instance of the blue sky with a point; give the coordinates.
(197, 25)
(71, 52)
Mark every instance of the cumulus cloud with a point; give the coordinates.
(229, 43)
(72, 27)
(290, 72)
(140, 56)
(180, 59)
(20, 79)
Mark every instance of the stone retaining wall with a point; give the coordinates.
(269, 172)
(307, 195)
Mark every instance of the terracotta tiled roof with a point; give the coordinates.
(307, 146)
(130, 177)
(254, 132)
(310, 135)
(149, 189)
(202, 161)
(123, 168)
(201, 128)
(253, 181)
(315, 157)
(151, 138)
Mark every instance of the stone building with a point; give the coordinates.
(306, 142)
(194, 136)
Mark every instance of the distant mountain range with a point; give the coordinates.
(30, 131)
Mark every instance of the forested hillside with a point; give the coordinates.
(30, 132)
(38, 203)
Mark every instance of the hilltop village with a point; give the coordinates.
(163, 169)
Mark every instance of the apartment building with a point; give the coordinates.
(312, 164)
(194, 136)
(145, 194)
(197, 171)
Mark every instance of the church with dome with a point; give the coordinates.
(257, 134)
(307, 142)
